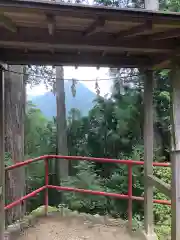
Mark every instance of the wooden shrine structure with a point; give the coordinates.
(39, 32)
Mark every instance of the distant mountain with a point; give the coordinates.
(82, 101)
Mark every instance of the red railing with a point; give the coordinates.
(46, 158)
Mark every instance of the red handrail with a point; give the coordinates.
(46, 158)
(105, 160)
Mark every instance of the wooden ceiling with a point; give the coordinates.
(41, 32)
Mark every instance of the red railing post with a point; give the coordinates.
(130, 196)
(46, 184)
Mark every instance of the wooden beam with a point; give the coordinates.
(175, 156)
(74, 40)
(164, 61)
(96, 26)
(160, 185)
(51, 23)
(87, 12)
(84, 58)
(7, 23)
(2, 175)
(163, 64)
(103, 53)
(174, 33)
(148, 154)
(134, 31)
(72, 10)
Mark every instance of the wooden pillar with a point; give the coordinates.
(152, 4)
(148, 142)
(148, 154)
(175, 157)
(2, 181)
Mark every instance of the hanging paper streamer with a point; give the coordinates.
(73, 87)
(74, 82)
(97, 88)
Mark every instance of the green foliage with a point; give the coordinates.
(86, 178)
(37, 131)
(162, 213)
(41, 74)
(35, 179)
(172, 5)
(8, 159)
(40, 139)
(112, 129)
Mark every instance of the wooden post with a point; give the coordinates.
(2, 181)
(175, 160)
(148, 142)
(151, 4)
(148, 154)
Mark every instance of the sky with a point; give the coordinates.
(81, 73)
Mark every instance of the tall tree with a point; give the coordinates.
(61, 122)
(14, 136)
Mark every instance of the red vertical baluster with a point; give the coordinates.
(130, 196)
(46, 184)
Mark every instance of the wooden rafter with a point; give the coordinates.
(69, 37)
(7, 23)
(174, 33)
(95, 27)
(85, 58)
(82, 11)
(137, 30)
(64, 39)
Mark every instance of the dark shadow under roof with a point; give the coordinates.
(39, 32)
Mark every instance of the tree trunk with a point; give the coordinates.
(62, 166)
(61, 122)
(14, 138)
(2, 197)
